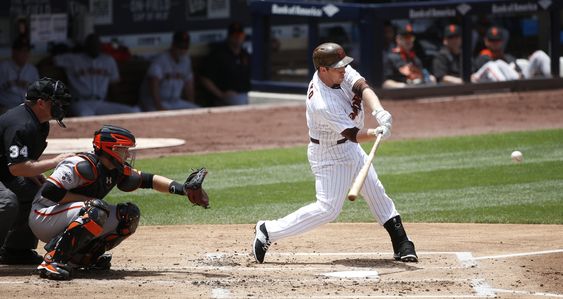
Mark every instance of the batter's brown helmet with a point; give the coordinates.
(330, 55)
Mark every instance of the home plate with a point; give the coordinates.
(76, 145)
(353, 274)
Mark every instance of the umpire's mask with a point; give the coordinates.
(54, 91)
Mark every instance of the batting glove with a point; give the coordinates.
(383, 118)
(383, 130)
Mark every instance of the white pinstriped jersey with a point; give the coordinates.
(89, 77)
(14, 81)
(332, 110)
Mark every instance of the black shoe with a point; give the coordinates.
(261, 242)
(19, 257)
(406, 253)
(102, 263)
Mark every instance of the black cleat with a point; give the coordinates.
(261, 242)
(406, 253)
(102, 263)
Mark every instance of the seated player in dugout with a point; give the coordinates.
(446, 65)
(70, 215)
(402, 67)
(493, 64)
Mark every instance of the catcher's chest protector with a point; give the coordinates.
(101, 179)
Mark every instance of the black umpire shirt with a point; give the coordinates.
(23, 138)
(446, 63)
(397, 59)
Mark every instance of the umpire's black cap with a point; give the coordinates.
(48, 89)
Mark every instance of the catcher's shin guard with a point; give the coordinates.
(128, 214)
(79, 233)
(403, 248)
(89, 256)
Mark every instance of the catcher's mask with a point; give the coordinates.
(51, 90)
(114, 142)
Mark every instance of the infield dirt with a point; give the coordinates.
(456, 260)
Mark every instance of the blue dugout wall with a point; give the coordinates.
(370, 19)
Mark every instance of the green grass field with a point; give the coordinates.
(456, 179)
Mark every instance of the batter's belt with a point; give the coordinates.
(316, 141)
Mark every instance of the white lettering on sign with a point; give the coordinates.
(431, 13)
(514, 7)
(296, 10)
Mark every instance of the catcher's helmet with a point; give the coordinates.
(51, 90)
(330, 55)
(109, 139)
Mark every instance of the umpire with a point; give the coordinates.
(24, 130)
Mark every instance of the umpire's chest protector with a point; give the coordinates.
(100, 180)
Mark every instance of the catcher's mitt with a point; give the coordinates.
(194, 190)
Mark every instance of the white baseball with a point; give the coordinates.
(517, 157)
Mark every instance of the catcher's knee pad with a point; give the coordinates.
(79, 233)
(128, 215)
(96, 210)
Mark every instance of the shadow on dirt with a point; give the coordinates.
(22, 271)
(377, 263)
(17, 270)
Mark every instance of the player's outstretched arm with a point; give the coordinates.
(192, 188)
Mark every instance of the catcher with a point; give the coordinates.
(71, 217)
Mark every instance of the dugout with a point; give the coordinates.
(369, 20)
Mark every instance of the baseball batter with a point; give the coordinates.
(70, 215)
(16, 75)
(335, 117)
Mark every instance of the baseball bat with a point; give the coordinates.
(361, 177)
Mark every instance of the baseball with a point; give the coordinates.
(516, 156)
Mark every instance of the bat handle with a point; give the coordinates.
(362, 175)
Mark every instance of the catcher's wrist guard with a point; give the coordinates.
(176, 188)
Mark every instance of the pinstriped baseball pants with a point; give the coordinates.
(335, 167)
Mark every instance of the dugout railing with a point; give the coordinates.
(370, 19)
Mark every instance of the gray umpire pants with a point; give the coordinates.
(16, 197)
